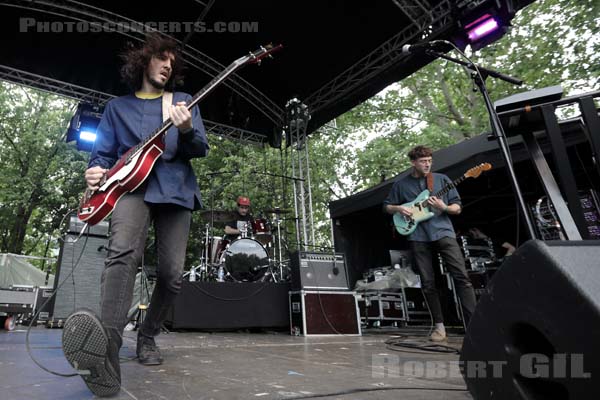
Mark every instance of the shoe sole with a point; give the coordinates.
(85, 345)
(147, 363)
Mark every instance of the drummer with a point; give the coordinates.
(243, 220)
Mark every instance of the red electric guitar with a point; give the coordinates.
(135, 165)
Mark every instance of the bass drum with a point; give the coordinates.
(246, 260)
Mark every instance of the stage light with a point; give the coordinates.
(482, 22)
(84, 123)
(88, 136)
(482, 27)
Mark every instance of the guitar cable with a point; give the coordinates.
(35, 316)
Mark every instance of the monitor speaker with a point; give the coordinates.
(80, 264)
(534, 335)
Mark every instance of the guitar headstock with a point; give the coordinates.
(256, 57)
(476, 171)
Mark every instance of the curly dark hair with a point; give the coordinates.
(136, 59)
(419, 152)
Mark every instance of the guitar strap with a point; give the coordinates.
(430, 182)
(167, 100)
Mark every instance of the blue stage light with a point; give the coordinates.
(88, 135)
(84, 123)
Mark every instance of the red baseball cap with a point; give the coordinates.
(243, 201)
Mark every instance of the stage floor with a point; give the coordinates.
(240, 365)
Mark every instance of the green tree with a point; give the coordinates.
(41, 174)
(551, 42)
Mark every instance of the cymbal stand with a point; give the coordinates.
(205, 254)
(278, 221)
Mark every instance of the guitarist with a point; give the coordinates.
(166, 199)
(435, 235)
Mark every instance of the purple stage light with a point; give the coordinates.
(481, 27)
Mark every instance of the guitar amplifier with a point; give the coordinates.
(312, 271)
(102, 228)
(80, 266)
(315, 313)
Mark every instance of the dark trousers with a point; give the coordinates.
(448, 248)
(131, 219)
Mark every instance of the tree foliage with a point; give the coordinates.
(551, 42)
(41, 174)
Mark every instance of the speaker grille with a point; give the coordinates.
(311, 270)
(82, 288)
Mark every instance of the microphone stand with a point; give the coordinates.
(479, 75)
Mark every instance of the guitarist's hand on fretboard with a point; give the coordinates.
(436, 203)
(181, 116)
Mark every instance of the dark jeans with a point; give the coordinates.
(131, 219)
(448, 248)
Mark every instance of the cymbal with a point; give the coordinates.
(277, 210)
(218, 215)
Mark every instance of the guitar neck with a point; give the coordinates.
(446, 188)
(195, 100)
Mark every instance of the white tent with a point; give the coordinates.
(16, 270)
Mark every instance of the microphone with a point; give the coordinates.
(415, 48)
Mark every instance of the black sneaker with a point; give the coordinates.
(85, 344)
(147, 351)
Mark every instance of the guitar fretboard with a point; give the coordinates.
(448, 187)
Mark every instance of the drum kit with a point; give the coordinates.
(255, 255)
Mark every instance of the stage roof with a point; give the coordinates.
(336, 54)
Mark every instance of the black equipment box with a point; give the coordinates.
(481, 280)
(416, 306)
(382, 306)
(324, 313)
(18, 299)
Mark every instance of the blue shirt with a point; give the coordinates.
(406, 189)
(127, 120)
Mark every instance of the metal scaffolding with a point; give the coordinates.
(135, 30)
(298, 115)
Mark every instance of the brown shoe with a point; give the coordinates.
(438, 336)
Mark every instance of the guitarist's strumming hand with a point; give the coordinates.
(400, 210)
(93, 176)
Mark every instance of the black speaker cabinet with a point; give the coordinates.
(318, 271)
(82, 288)
(535, 334)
